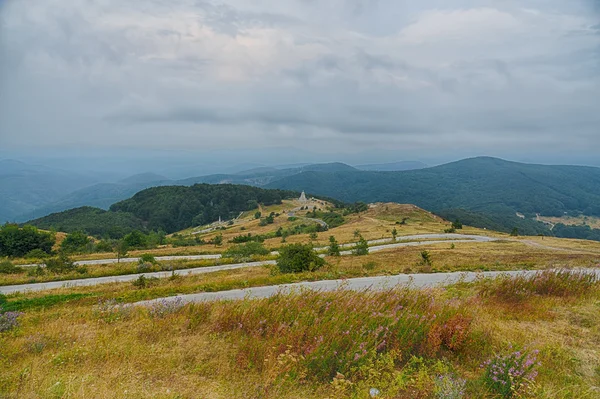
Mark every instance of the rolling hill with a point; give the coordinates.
(486, 192)
(103, 195)
(26, 187)
(166, 208)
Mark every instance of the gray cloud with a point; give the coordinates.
(201, 74)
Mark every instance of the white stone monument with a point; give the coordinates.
(303, 197)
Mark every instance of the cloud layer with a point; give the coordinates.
(477, 74)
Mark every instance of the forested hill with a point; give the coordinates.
(486, 191)
(173, 208)
(167, 208)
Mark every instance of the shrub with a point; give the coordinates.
(36, 254)
(16, 241)
(148, 258)
(144, 267)
(60, 264)
(512, 374)
(369, 265)
(334, 247)
(245, 251)
(143, 282)
(36, 271)
(217, 240)
(75, 242)
(361, 248)
(457, 225)
(296, 258)
(6, 267)
(9, 320)
(426, 258)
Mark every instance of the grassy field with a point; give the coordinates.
(404, 343)
(593, 222)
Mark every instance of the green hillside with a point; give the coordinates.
(173, 208)
(490, 190)
(167, 208)
(93, 221)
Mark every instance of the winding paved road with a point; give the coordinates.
(355, 284)
(10, 289)
(380, 245)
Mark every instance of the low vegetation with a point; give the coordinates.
(457, 342)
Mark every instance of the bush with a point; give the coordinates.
(147, 258)
(296, 258)
(426, 258)
(36, 254)
(361, 248)
(334, 247)
(245, 251)
(144, 267)
(75, 242)
(104, 246)
(143, 282)
(60, 264)
(16, 241)
(6, 267)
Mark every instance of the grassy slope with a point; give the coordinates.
(375, 223)
(251, 349)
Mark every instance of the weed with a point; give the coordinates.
(556, 283)
(512, 374)
(110, 311)
(164, 307)
(9, 320)
(143, 282)
(369, 266)
(449, 387)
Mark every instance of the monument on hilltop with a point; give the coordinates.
(303, 197)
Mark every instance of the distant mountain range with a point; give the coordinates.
(34, 192)
(483, 192)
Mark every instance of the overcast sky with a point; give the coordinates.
(447, 76)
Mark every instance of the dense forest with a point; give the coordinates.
(93, 221)
(485, 192)
(168, 209)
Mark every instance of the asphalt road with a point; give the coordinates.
(9, 289)
(356, 284)
(218, 256)
(401, 242)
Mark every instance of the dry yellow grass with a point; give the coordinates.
(593, 222)
(75, 351)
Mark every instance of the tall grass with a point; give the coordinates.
(323, 334)
(548, 283)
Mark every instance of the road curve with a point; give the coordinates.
(10, 289)
(355, 284)
(401, 242)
